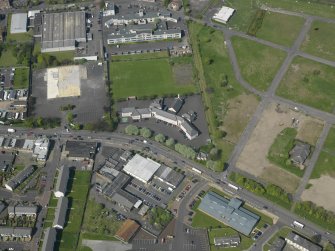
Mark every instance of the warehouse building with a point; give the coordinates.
(49, 239)
(230, 212)
(60, 213)
(61, 31)
(141, 168)
(169, 176)
(80, 150)
(18, 23)
(61, 185)
(224, 14)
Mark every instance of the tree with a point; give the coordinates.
(170, 142)
(145, 132)
(214, 154)
(69, 117)
(160, 138)
(186, 151)
(131, 130)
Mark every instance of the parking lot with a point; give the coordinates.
(89, 107)
(192, 103)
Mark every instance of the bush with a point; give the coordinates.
(145, 132)
(170, 142)
(160, 138)
(186, 151)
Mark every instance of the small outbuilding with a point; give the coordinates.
(18, 23)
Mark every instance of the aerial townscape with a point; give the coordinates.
(167, 125)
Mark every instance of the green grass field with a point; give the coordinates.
(143, 56)
(320, 40)
(310, 83)
(7, 59)
(145, 78)
(19, 37)
(21, 78)
(329, 145)
(77, 200)
(325, 165)
(286, 30)
(258, 63)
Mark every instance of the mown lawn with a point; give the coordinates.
(7, 58)
(325, 165)
(320, 40)
(142, 56)
(310, 83)
(145, 78)
(286, 31)
(258, 63)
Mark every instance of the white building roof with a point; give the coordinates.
(141, 168)
(18, 23)
(224, 14)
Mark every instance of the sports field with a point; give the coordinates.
(310, 83)
(145, 78)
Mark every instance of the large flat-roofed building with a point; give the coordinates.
(230, 212)
(80, 150)
(18, 23)
(301, 243)
(224, 14)
(141, 168)
(169, 176)
(62, 30)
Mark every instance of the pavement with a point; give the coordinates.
(107, 245)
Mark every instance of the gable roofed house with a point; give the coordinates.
(300, 153)
(127, 230)
(60, 215)
(176, 105)
(61, 185)
(301, 243)
(49, 239)
(227, 241)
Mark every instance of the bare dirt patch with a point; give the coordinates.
(320, 192)
(310, 131)
(238, 113)
(253, 158)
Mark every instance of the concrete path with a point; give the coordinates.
(107, 245)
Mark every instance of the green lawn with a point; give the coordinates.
(21, 78)
(286, 29)
(7, 59)
(143, 56)
(325, 165)
(320, 40)
(258, 63)
(222, 232)
(62, 55)
(316, 8)
(279, 151)
(145, 78)
(19, 37)
(310, 83)
(329, 144)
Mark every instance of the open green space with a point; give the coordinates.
(220, 90)
(99, 223)
(279, 151)
(310, 83)
(320, 40)
(7, 58)
(79, 185)
(226, 231)
(316, 7)
(258, 63)
(329, 145)
(286, 29)
(21, 78)
(325, 165)
(145, 78)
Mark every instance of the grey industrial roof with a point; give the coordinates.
(81, 149)
(229, 212)
(20, 177)
(49, 239)
(303, 242)
(60, 213)
(169, 176)
(63, 177)
(141, 168)
(18, 23)
(110, 188)
(63, 29)
(124, 198)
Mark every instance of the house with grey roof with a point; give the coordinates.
(80, 150)
(300, 153)
(19, 178)
(16, 233)
(169, 176)
(230, 212)
(19, 211)
(60, 214)
(278, 245)
(49, 239)
(176, 105)
(62, 179)
(227, 241)
(301, 243)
